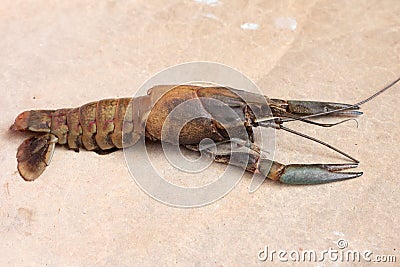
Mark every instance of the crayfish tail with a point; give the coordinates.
(34, 155)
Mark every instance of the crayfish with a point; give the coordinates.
(106, 125)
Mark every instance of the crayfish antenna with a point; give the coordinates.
(34, 155)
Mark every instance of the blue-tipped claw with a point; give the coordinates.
(317, 173)
(316, 107)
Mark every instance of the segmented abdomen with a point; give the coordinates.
(97, 125)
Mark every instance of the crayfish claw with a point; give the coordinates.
(317, 173)
(300, 107)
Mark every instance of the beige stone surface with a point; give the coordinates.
(86, 209)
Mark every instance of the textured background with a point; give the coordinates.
(85, 209)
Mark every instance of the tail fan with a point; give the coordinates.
(34, 155)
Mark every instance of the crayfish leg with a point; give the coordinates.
(34, 155)
(254, 161)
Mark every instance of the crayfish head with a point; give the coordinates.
(256, 112)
